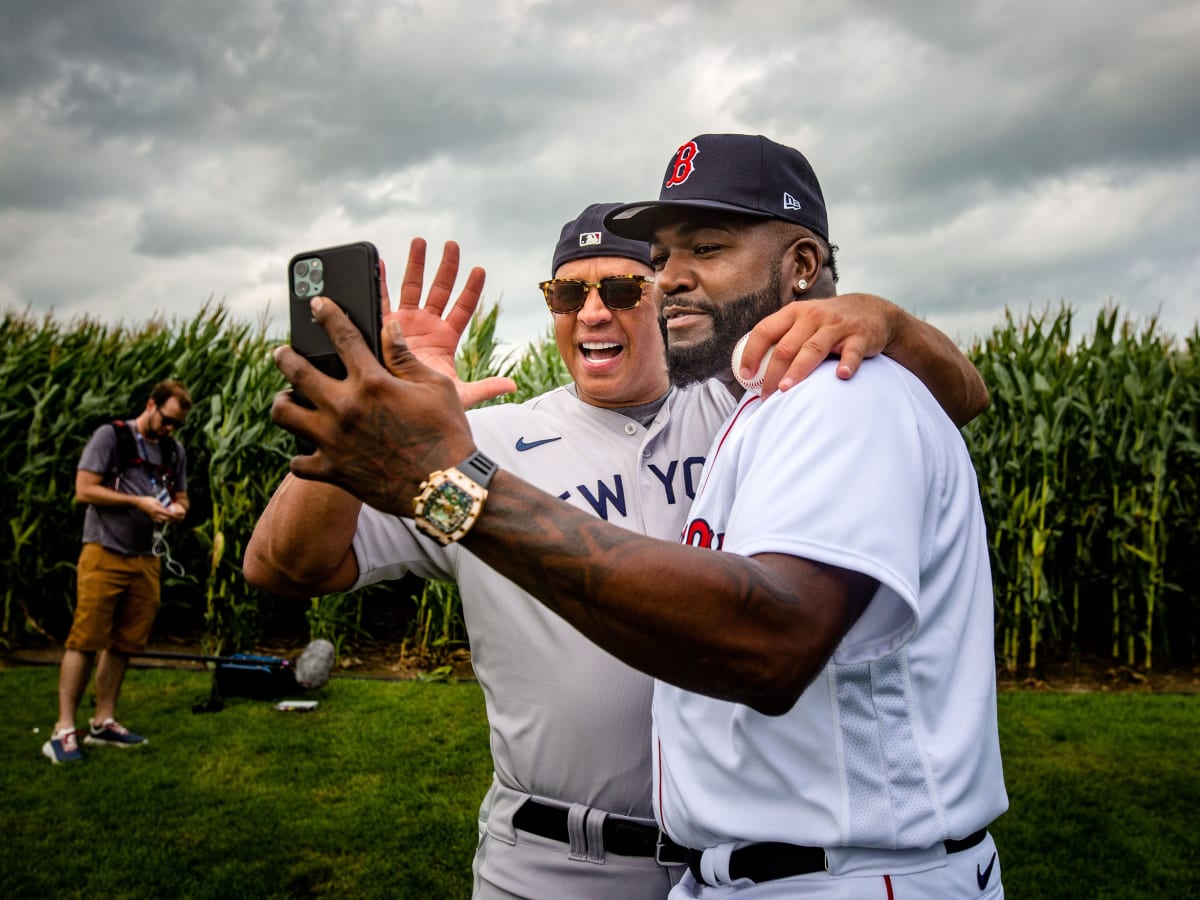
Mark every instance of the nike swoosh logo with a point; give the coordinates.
(985, 876)
(522, 446)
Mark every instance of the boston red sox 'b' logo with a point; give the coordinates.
(684, 163)
(699, 533)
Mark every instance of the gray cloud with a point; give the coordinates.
(998, 154)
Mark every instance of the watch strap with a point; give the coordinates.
(478, 468)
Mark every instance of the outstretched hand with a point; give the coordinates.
(807, 332)
(432, 332)
(379, 432)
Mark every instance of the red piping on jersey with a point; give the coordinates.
(721, 443)
(662, 815)
(887, 881)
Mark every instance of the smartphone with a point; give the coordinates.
(349, 276)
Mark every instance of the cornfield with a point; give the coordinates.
(59, 383)
(1088, 463)
(1089, 468)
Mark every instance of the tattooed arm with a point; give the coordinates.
(752, 630)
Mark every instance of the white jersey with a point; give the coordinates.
(568, 720)
(895, 744)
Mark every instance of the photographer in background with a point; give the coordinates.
(133, 478)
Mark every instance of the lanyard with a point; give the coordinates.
(141, 442)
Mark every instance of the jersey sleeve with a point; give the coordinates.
(387, 547)
(835, 472)
(100, 453)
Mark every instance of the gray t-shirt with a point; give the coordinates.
(124, 529)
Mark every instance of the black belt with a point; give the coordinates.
(769, 861)
(621, 837)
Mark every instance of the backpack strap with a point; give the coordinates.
(170, 455)
(127, 451)
(128, 455)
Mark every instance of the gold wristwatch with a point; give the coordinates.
(450, 500)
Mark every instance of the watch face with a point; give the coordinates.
(447, 507)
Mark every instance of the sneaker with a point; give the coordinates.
(62, 747)
(112, 733)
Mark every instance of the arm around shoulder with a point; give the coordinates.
(857, 326)
(930, 355)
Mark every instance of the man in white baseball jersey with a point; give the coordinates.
(569, 813)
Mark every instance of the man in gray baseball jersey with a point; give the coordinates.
(569, 813)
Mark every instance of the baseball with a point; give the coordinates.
(752, 384)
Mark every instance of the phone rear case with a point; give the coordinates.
(349, 276)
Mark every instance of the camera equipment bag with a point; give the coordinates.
(257, 677)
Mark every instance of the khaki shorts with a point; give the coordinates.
(116, 600)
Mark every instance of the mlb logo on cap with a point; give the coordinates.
(740, 173)
(586, 236)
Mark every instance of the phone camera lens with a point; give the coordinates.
(301, 269)
(301, 288)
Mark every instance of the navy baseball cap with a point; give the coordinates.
(587, 236)
(742, 173)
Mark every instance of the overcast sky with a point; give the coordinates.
(973, 156)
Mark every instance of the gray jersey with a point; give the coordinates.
(568, 721)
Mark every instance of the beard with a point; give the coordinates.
(701, 361)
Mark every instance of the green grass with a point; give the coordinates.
(375, 793)
(1102, 791)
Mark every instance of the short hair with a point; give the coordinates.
(786, 232)
(831, 260)
(165, 390)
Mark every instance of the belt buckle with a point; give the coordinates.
(665, 843)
